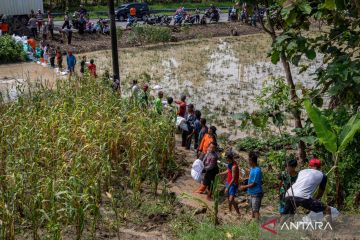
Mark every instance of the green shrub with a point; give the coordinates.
(149, 34)
(10, 51)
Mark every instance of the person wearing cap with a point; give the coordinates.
(301, 192)
(209, 137)
(232, 180)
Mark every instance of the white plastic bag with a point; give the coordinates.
(313, 216)
(181, 122)
(157, 87)
(196, 170)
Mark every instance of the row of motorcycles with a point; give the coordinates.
(179, 18)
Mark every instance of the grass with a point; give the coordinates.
(187, 227)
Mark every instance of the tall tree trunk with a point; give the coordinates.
(294, 98)
(270, 29)
(339, 194)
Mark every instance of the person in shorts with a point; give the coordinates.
(254, 186)
(300, 194)
(232, 180)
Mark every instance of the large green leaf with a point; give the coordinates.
(348, 131)
(330, 4)
(322, 127)
(305, 7)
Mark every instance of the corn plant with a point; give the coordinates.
(61, 149)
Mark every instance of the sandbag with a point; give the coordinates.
(181, 122)
(196, 170)
(313, 216)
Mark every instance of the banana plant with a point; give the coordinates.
(333, 137)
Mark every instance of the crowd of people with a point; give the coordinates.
(296, 188)
(52, 56)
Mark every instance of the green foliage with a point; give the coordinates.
(10, 51)
(264, 144)
(149, 34)
(274, 102)
(334, 138)
(322, 127)
(62, 150)
(348, 131)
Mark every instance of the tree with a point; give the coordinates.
(334, 138)
(274, 26)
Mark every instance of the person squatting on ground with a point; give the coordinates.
(195, 132)
(254, 186)
(287, 179)
(211, 169)
(300, 193)
(232, 181)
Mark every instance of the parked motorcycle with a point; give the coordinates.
(192, 19)
(131, 21)
(213, 15)
(178, 19)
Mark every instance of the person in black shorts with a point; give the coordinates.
(300, 193)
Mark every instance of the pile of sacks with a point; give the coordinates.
(26, 47)
(35, 55)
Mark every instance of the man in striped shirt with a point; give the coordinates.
(39, 19)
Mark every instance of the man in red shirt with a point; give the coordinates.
(92, 68)
(182, 106)
(232, 181)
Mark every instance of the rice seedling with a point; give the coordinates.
(62, 149)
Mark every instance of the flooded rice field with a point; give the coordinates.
(221, 76)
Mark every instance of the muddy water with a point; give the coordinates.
(14, 78)
(221, 76)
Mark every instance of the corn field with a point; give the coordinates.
(62, 151)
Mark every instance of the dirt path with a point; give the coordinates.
(185, 185)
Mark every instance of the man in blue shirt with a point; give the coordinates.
(254, 187)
